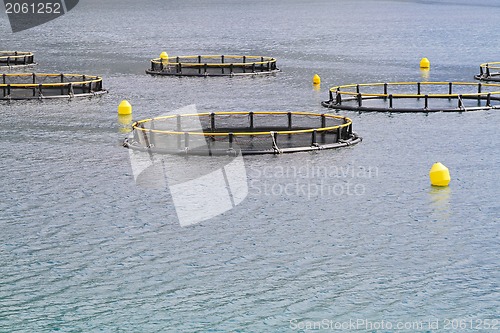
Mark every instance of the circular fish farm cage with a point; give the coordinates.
(213, 65)
(489, 71)
(22, 86)
(248, 133)
(14, 59)
(401, 97)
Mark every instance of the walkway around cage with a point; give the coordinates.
(489, 72)
(248, 133)
(425, 97)
(15, 59)
(23, 86)
(213, 65)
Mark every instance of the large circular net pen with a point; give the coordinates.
(489, 72)
(13, 59)
(415, 97)
(40, 86)
(251, 133)
(213, 65)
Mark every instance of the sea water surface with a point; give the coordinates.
(352, 235)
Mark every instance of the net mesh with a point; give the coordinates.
(489, 72)
(248, 132)
(29, 86)
(415, 97)
(15, 58)
(215, 65)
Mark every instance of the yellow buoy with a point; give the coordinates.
(164, 57)
(124, 108)
(316, 79)
(439, 175)
(425, 63)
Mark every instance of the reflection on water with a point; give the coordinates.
(440, 207)
(125, 123)
(425, 73)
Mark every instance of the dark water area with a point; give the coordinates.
(355, 234)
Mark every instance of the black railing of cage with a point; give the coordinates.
(16, 58)
(489, 72)
(351, 97)
(249, 139)
(35, 86)
(213, 65)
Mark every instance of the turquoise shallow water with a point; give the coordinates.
(83, 249)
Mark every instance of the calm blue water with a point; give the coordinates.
(83, 249)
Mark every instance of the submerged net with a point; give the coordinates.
(213, 65)
(226, 133)
(16, 59)
(415, 97)
(39, 86)
(489, 72)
